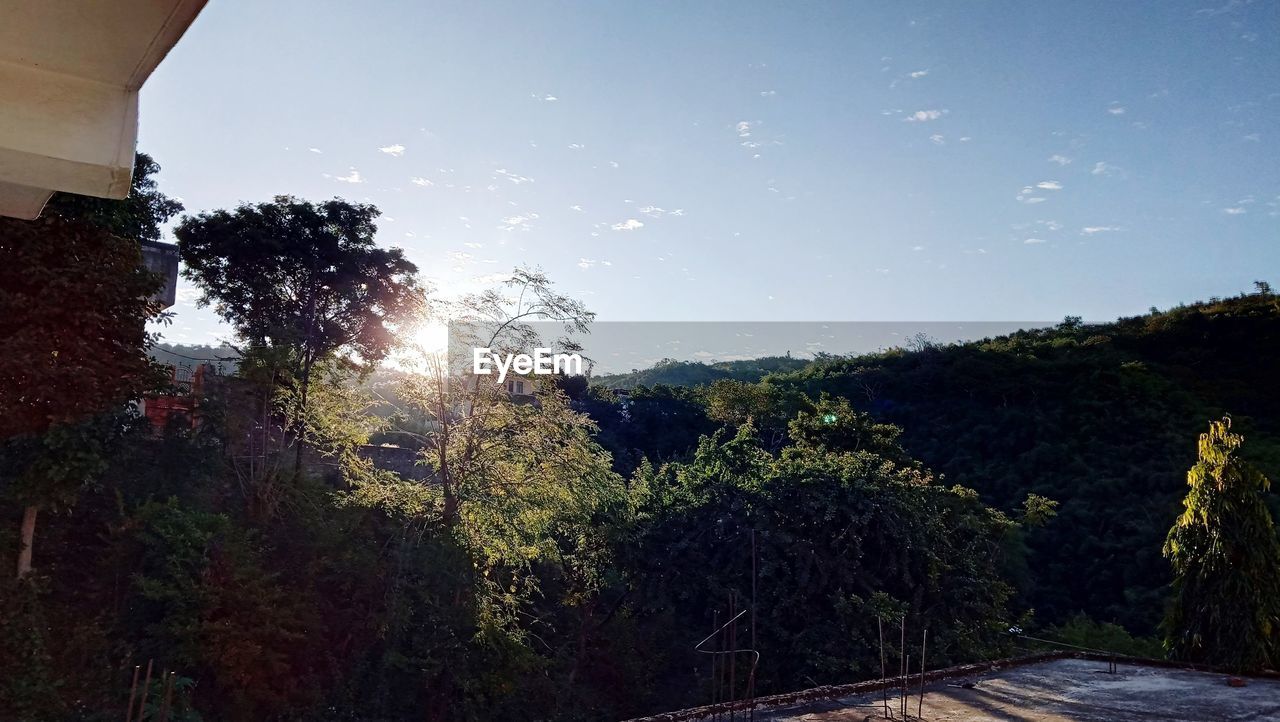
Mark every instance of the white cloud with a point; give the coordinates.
(396, 150)
(315, 150)
(744, 128)
(513, 177)
(630, 224)
(1103, 168)
(576, 146)
(1090, 230)
(1034, 241)
(1116, 110)
(1059, 159)
(921, 116)
(585, 263)
(1026, 195)
(1235, 211)
(938, 139)
(420, 181)
(1051, 185)
(920, 73)
(917, 248)
(352, 177)
(768, 93)
(520, 222)
(576, 208)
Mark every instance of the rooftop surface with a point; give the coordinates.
(1063, 690)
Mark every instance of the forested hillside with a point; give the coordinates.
(1099, 417)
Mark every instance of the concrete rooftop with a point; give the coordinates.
(1063, 690)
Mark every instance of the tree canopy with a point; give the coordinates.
(1226, 562)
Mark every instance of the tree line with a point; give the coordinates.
(561, 557)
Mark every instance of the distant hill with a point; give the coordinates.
(1101, 417)
(191, 355)
(694, 373)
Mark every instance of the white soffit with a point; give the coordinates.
(70, 71)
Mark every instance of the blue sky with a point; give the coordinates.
(749, 161)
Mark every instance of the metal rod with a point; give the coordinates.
(751, 680)
(732, 635)
(884, 690)
(901, 662)
(133, 690)
(715, 658)
(924, 644)
(166, 705)
(146, 686)
(906, 670)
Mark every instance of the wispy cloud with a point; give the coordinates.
(1034, 241)
(768, 93)
(1059, 159)
(1050, 185)
(1090, 230)
(1027, 195)
(353, 176)
(1103, 168)
(919, 73)
(938, 139)
(396, 150)
(315, 150)
(420, 181)
(513, 177)
(921, 116)
(1235, 211)
(630, 224)
(520, 222)
(1116, 109)
(744, 128)
(577, 208)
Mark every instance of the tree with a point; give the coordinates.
(501, 464)
(306, 280)
(1226, 561)
(138, 217)
(74, 300)
(519, 487)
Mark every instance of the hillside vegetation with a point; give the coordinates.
(1099, 417)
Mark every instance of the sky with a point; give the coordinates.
(742, 161)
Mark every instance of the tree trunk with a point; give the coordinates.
(28, 538)
(299, 426)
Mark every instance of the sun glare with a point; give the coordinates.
(432, 337)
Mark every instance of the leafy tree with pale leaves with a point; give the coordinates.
(1226, 561)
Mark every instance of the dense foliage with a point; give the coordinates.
(1094, 416)
(1226, 562)
(557, 555)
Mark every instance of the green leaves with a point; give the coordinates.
(1226, 561)
(74, 301)
(302, 275)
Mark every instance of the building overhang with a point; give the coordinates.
(70, 72)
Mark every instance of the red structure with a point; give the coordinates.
(182, 403)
